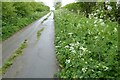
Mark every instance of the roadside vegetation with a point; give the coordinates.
(39, 33)
(46, 18)
(11, 59)
(16, 15)
(86, 45)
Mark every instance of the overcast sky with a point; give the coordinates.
(64, 2)
(51, 2)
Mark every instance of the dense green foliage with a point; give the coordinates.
(86, 48)
(16, 15)
(83, 7)
(103, 10)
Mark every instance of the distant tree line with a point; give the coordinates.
(22, 9)
(104, 10)
(58, 5)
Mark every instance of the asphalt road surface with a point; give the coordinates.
(38, 59)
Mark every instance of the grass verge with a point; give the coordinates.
(9, 29)
(86, 48)
(10, 60)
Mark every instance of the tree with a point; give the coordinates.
(84, 7)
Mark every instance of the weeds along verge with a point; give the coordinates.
(39, 33)
(45, 18)
(86, 48)
(11, 59)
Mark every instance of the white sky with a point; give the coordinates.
(64, 2)
(50, 3)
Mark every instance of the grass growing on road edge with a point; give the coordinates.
(10, 60)
(39, 33)
(45, 18)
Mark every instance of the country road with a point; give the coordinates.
(38, 59)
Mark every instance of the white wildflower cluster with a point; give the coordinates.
(105, 68)
(89, 51)
(60, 41)
(66, 46)
(72, 46)
(95, 21)
(101, 16)
(115, 30)
(84, 70)
(102, 30)
(102, 24)
(83, 49)
(96, 66)
(61, 31)
(57, 46)
(91, 16)
(81, 54)
(70, 33)
(89, 32)
(67, 61)
(96, 17)
(91, 59)
(100, 20)
(95, 25)
(97, 10)
(86, 62)
(86, 21)
(78, 25)
(77, 43)
(82, 59)
(57, 37)
(96, 37)
(95, 14)
(72, 49)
